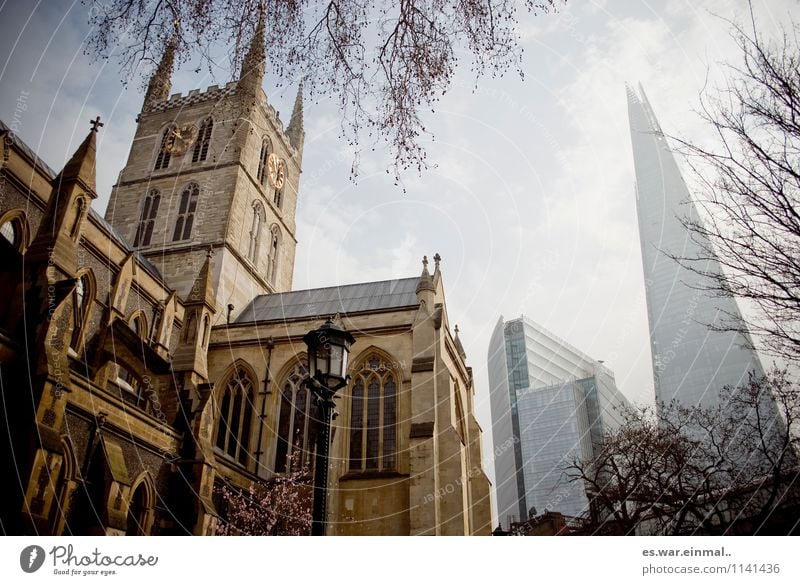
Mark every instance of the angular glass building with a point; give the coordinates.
(691, 362)
(550, 403)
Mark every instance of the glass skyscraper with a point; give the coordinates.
(691, 362)
(550, 403)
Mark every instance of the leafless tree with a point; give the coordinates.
(385, 62)
(728, 469)
(644, 476)
(750, 189)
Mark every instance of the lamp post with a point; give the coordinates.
(328, 348)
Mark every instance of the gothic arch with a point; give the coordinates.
(372, 401)
(274, 252)
(190, 328)
(266, 150)
(236, 412)
(63, 487)
(294, 429)
(147, 218)
(83, 296)
(238, 363)
(187, 207)
(206, 331)
(80, 211)
(387, 357)
(141, 505)
(162, 157)
(138, 322)
(256, 230)
(201, 145)
(15, 229)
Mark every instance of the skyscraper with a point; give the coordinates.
(691, 362)
(550, 403)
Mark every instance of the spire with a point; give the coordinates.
(202, 290)
(459, 345)
(253, 66)
(161, 82)
(295, 130)
(81, 168)
(425, 280)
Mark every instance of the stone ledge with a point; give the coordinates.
(422, 364)
(388, 474)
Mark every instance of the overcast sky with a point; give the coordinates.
(531, 203)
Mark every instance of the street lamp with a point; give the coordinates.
(328, 348)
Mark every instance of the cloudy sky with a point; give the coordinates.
(531, 201)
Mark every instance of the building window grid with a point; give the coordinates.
(266, 149)
(163, 157)
(373, 418)
(147, 220)
(186, 212)
(9, 231)
(295, 424)
(201, 145)
(235, 417)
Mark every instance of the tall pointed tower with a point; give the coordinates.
(690, 362)
(216, 170)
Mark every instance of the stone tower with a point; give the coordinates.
(213, 170)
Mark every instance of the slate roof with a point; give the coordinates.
(50, 174)
(19, 143)
(323, 302)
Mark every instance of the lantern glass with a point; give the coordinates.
(328, 348)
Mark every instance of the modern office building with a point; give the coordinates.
(691, 362)
(550, 403)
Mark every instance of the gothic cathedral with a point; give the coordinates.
(148, 357)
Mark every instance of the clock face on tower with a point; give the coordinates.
(181, 139)
(276, 171)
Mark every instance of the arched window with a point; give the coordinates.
(139, 325)
(274, 245)
(373, 417)
(147, 219)
(14, 229)
(63, 489)
(277, 197)
(266, 149)
(295, 429)
(206, 333)
(140, 510)
(259, 216)
(81, 300)
(186, 211)
(203, 140)
(163, 156)
(191, 328)
(80, 209)
(235, 416)
(11, 233)
(158, 315)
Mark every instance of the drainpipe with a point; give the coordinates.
(270, 346)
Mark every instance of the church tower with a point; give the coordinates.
(213, 170)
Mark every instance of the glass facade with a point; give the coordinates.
(550, 404)
(691, 362)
